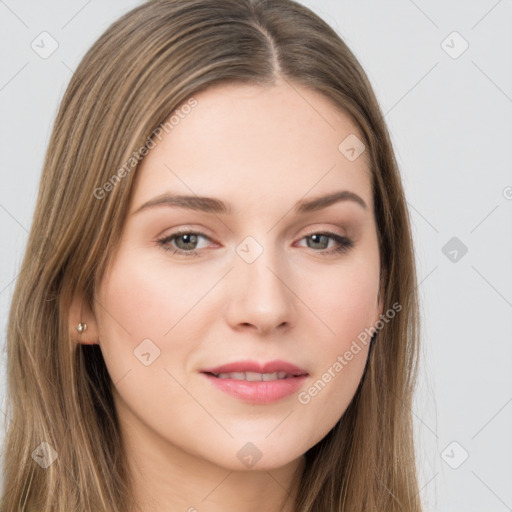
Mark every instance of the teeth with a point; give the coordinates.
(253, 376)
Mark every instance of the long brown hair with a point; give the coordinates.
(147, 64)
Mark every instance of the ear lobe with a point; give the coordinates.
(80, 313)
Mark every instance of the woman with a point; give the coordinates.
(217, 307)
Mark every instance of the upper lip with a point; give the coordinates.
(254, 366)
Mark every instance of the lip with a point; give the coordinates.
(254, 366)
(258, 392)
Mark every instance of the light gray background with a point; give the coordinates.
(450, 124)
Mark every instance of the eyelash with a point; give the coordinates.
(345, 244)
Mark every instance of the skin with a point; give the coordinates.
(261, 150)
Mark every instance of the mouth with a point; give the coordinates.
(257, 383)
(254, 376)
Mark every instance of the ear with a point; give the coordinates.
(81, 312)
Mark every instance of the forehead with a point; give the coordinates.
(254, 143)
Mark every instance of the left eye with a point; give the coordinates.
(342, 243)
(185, 242)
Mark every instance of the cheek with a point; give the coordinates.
(347, 305)
(142, 300)
(345, 299)
(135, 310)
(146, 338)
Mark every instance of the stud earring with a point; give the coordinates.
(81, 327)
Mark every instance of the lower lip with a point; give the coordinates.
(259, 392)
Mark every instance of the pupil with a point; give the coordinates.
(188, 238)
(316, 238)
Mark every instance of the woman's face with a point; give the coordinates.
(256, 275)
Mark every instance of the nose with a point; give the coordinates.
(263, 298)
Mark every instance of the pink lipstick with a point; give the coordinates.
(257, 383)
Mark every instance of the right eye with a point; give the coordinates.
(182, 242)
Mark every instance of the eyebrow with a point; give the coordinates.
(213, 205)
